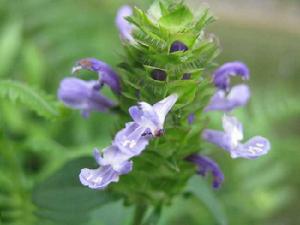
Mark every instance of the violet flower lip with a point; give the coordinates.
(221, 76)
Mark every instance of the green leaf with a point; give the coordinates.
(177, 19)
(33, 99)
(10, 41)
(63, 199)
(186, 90)
(206, 195)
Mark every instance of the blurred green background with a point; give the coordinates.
(41, 39)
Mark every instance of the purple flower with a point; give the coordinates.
(125, 28)
(106, 74)
(206, 165)
(222, 75)
(128, 142)
(238, 96)
(83, 95)
(178, 46)
(133, 139)
(153, 117)
(231, 138)
(111, 167)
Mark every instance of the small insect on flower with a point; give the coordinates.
(83, 95)
(221, 76)
(128, 142)
(206, 165)
(238, 96)
(230, 138)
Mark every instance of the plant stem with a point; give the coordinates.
(139, 213)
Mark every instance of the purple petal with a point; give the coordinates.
(178, 46)
(218, 138)
(238, 96)
(206, 165)
(125, 28)
(222, 75)
(131, 140)
(98, 178)
(233, 129)
(113, 156)
(252, 149)
(106, 74)
(83, 95)
(163, 107)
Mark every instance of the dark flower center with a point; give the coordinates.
(158, 74)
(178, 46)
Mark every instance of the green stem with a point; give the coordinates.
(139, 213)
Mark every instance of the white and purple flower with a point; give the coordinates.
(83, 95)
(129, 142)
(230, 140)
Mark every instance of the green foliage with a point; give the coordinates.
(10, 42)
(63, 199)
(34, 100)
(206, 195)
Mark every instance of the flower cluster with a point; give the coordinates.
(226, 99)
(129, 142)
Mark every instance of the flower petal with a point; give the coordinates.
(125, 28)
(83, 95)
(222, 75)
(218, 138)
(163, 107)
(106, 74)
(238, 96)
(98, 178)
(233, 129)
(131, 140)
(205, 165)
(254, 148)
